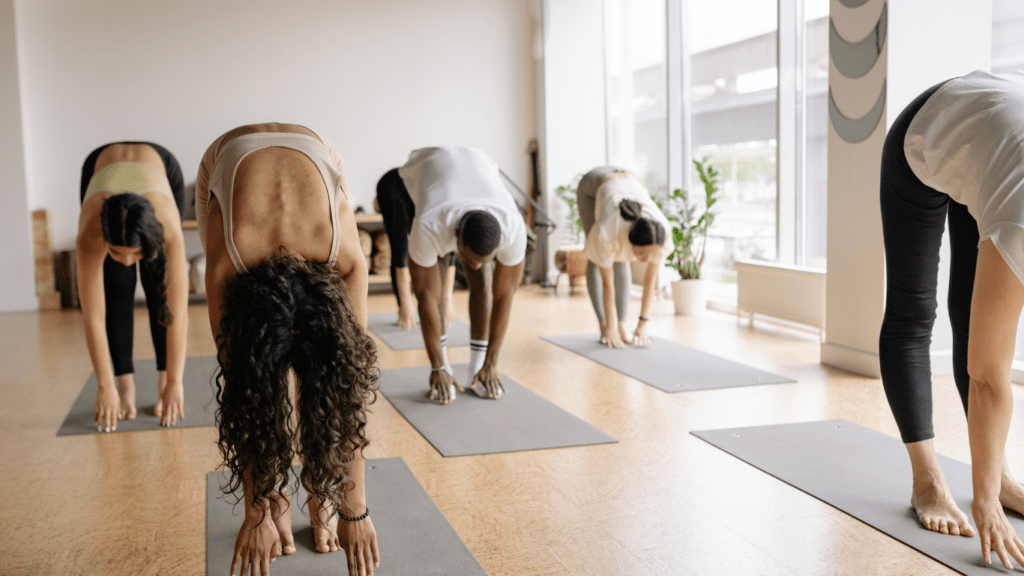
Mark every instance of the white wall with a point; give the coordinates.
(574, 100)
(378, 78)
(17, 289)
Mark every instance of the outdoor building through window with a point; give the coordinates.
(730, 54)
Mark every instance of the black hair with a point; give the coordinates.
(129, 220)
(283, 314)
(644, 231)
(480, 231)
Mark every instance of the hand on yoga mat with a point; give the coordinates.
(442, 386)
(490, 380)
(108, 404)
(359, 539)
(641, 337)
(172, 401)
(257, 544)
(997, 535)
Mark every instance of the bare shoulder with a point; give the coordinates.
(89, 217)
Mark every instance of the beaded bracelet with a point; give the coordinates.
(645, 319)
(437, 369)
(357, 518)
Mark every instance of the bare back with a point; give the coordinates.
(280, 200)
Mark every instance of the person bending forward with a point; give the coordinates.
(462, 205)
(956, 153)
(133, 196)
(623, 224)
(287, 282)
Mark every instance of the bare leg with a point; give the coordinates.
(161, 385)
(931, 499)
(126, 390)
(280, 507)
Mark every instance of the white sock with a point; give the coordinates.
(444, 354)
(477, 354)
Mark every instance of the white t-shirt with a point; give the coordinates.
(608, 238)
(967, 141)
(448, 181)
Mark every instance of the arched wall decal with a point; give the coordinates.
(853, 3)
(856, 130)
(855, 59)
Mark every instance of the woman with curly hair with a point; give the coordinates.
(132, 197)
(286, 282)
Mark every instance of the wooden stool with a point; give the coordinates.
(570, 261)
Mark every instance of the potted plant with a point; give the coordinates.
(574, 226)
(689, 240)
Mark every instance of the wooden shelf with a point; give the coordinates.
(380, 279)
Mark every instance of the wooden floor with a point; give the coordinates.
(660, 502)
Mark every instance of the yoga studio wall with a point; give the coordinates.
(378, 78)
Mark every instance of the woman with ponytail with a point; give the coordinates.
(132, 196)
(286, 281)
(622, 224)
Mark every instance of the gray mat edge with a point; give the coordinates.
(697, 434)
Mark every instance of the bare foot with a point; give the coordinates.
(1011, 494)
(325, 526)
(126, 390)
(161, 385)
(281, 513)
(937, 511)
(603, 339)
(625, 334)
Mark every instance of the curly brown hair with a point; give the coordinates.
(288, 314)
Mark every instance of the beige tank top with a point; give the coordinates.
(231, 154)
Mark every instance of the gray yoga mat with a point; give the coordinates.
(865, 474)
(384, 324)
(668, 366)
(413, 536)
(199, 399)
(519, 420)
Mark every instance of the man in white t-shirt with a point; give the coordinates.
(463, 206)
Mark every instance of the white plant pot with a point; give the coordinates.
(690, 296)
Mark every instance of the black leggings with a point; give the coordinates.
(913, 216)
(119, 280)
(397, 211)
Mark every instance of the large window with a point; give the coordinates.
(636, 89)
(732, 66)
(734, 79)
(1007, 35)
